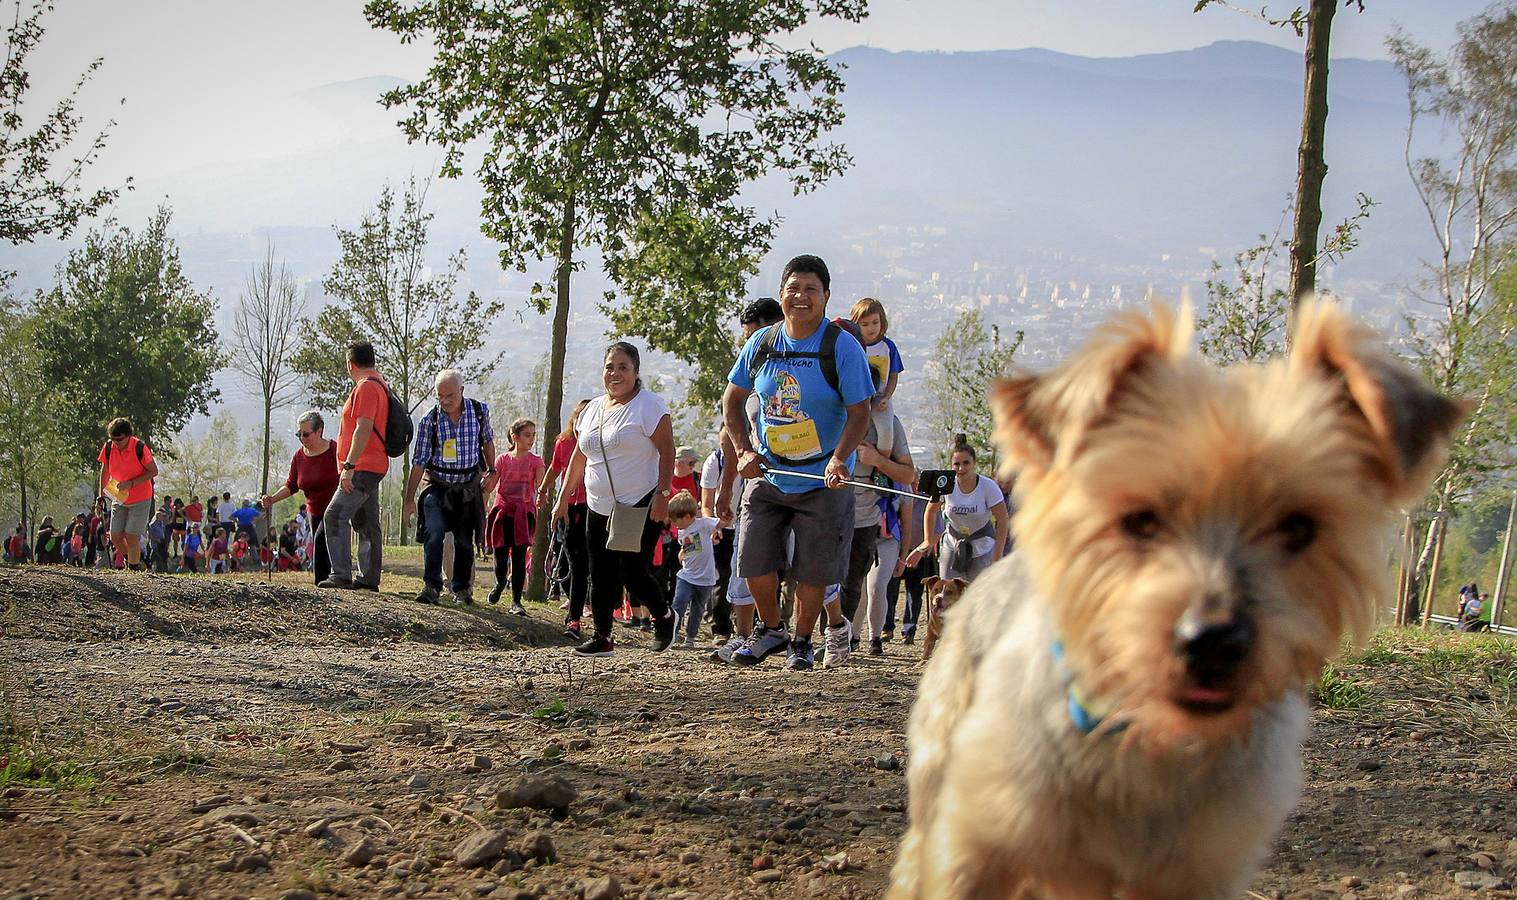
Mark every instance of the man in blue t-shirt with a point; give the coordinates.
(805, 424)
(246, 517)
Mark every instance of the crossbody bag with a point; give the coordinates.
(625, 533)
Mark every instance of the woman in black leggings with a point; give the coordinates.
(574, 549)
(624, 458)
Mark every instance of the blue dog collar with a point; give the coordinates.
(1080, 714)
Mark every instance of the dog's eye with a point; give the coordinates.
(1298, 530)
(1142, 525)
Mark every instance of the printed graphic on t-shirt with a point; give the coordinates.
(881, 367)
(790, 430)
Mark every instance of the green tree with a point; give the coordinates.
(41, 189)
(125, 333)
(598, 117)
(36, 463)
(967, 359)
(1245, 319)
(207, 465)
(1466, 336)
(387, 294)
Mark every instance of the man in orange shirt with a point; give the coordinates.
(361, 456)
(127, 470)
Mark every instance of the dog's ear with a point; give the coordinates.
(931, 583)
(961, 582)
(1038, 416)
(1411, 422)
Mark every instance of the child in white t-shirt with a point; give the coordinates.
(697, 574)
(884, 364)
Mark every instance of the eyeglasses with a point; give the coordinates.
(304, 434)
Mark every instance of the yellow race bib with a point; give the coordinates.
(797, 441)
(450, 450)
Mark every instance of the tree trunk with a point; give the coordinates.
(1441, 526)
(1499, 602)
(1311, 168)
(537, 580)
(1425, 558)
(263, 491)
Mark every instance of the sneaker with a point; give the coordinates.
(571, 628)
(338, 584)
(688, 643)
(663, 633)
(517, 609)
(887, 636)
(835, 639)
(596, 646)
(876, 647)
(723, 654)
(646, 624)
(371, 588)
(463, 598)
(764, 641)
(800, 658)
(428, 595)
(853, 645)
(908, 637)
(495, 594)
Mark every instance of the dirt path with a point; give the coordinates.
(218, 740)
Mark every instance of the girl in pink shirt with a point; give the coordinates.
(513, 514)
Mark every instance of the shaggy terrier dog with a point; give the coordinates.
(1118, 707)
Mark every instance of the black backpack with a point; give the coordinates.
(399, 429)
(827, 353)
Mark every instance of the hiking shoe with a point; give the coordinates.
(764, 641)
(646, 624)
(428, 595)
(723, 654)
(876, 647)
(596, 646)
(663, 633)
(338, 584)
(571, 628)
(463, 598)
(371, 588)
(800, 658)
(908, 637)
(835, 639)
(887, 636)
(688, 643)
(517, 609)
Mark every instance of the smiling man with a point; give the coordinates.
(815, 389)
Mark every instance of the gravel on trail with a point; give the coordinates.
(227, 738)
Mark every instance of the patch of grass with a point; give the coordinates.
(1337, 690)
(556, 709)
(23, 764)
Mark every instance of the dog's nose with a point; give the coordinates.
(1214, 653)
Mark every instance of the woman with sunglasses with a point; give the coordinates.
(313, 471)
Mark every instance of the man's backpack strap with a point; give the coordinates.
(136, 445)
(826, 354)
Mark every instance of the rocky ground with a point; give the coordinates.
(178, 736)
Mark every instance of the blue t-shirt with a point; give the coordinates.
(246, 516)
(800, 416)
(192, 546)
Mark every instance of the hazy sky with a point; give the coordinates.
(210, 81)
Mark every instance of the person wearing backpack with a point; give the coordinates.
(364, 439)
(815, 391)
(455, 445)
(127, 470)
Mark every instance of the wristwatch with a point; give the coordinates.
(348, 467)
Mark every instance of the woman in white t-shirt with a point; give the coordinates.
(626, 441)
(973, 522)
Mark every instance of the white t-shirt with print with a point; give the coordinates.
(968, 513)
(698, 562)
(627, 434)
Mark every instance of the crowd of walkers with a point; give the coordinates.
(801, 515)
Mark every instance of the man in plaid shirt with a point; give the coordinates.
(454, 446)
